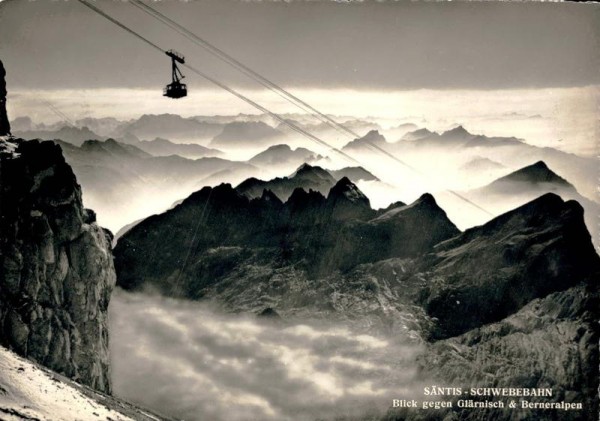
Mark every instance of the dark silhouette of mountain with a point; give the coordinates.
(534, 250)
(456, 137)
(164, 147)
(70, 134)
(346, 201)
(246, 133)
(283, 155)
(306, 176)
(111, 147)
(319, 234)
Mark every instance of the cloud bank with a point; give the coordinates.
(186, 360)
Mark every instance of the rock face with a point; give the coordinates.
(530, 252)
(4, 123)
(56, 268)
(224, 230)
(307, 177)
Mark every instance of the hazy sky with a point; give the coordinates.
(319, 44)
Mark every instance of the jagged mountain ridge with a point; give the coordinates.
(307, 177)
(461, 146)
(317, 233)
(117, 176)
(164, 147)
(170, 126)
(73, 135)
(522, 247)
(283, 155)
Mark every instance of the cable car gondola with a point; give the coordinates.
(175, 89)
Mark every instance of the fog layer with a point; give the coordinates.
(187, 360)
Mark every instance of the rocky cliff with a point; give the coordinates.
(216, 230)
(56, 268)
(4, 123)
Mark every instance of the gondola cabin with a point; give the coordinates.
(175, 89)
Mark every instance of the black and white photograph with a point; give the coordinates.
(303, 210)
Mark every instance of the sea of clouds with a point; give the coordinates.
(189, 361)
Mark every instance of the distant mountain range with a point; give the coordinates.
(527, 183)
(124, 183)
(306, 177)
(278, 156)
(164, 147)
(246, 134)
(460, 146)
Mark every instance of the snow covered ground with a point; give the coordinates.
(31, 392)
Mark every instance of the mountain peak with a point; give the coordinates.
(535, 173)
(269, 196)
(427, 199)
(346, 201)
(418, 134)
(457, 131)
(302, 168)
(347, 189)
(372, 137)
(280, 147)
(309, 171)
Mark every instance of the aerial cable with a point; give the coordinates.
(278, 89)
(225, 87)
(272, 114)
(59, 113)
(272, 86)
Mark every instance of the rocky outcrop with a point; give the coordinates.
(551, 342)
(56, 268)
(4, 123)
(320, 235)
(306, 177)
(530, 252)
